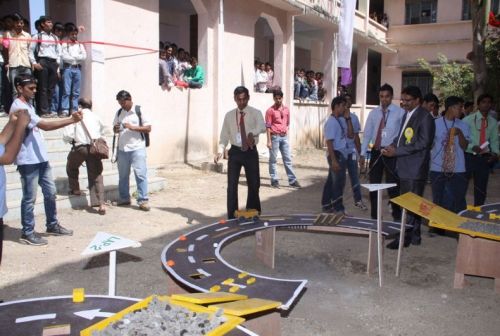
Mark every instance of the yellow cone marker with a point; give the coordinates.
(215, 288)
(228, 281)
(78, 295)
(250, 281)
(234, 289)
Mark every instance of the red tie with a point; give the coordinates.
(244, 140)
(381, 126)
(482, 134)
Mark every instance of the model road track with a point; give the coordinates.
(487, 212)
(194, 259)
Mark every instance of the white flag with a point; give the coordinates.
(346, 29)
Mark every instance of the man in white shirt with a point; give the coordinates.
(73, 55)
(45, 53)
(81, 136)
(133, 129)
(241, 128)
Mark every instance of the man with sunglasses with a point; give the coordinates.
(33, 165)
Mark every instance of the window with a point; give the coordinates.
(466, 14)
(420, 11)
(422, 80)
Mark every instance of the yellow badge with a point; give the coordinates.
(408, 134)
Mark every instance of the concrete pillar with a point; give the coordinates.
(288, 78)
(329, 64)
(90, 14)
(362, 77)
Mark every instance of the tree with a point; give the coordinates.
(450, 78)
(479, 12)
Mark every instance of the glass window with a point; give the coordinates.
(422, 80)
(420, 11)
(466, 15)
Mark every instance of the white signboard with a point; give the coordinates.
(378, 186)
(105, 242)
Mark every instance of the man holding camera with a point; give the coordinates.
(132, 127)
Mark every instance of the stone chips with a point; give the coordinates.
(162, 318)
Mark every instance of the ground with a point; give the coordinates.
(340, 298)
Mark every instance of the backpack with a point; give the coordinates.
(145, 136)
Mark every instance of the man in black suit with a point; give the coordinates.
(412, 151)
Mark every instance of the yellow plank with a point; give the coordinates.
(442, 218)
(207, 298)
(246, 307)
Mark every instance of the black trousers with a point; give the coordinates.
(416, 187)
(379, 165)
(478, 168)
(47, 80)
(249, 160)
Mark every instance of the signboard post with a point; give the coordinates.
(106, 242)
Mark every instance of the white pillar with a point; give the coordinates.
(90, 14)
(361, 78)
(329, 64)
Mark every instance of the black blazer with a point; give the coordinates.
(413, 156)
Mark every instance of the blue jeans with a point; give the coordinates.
(31, 175)
(334, 186)
(1, 86)
(137, 160)
(71, 89)
(280, 143)
(448, 190)
(352, 169)
(56, 96)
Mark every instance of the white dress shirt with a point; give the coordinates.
(75, 132)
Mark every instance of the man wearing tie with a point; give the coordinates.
(483, 147)
(381, 127)
(412, 151)
(241, 128)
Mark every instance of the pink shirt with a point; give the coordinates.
(278, 120)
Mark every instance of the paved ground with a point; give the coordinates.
(340, 299)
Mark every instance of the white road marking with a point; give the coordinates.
(479, 216)
(368, 223)
(191, 259)
(222, 228)
(191, 248)
(93, 313)
(202, 237)
(202, 271)
(35, 318)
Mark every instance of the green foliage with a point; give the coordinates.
(450, 78)
(492, 53)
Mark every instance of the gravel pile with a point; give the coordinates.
(490, 228)
(162, 318)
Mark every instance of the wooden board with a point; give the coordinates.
(207, 298)
(442, 218)
(246, 307)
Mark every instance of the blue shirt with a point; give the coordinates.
(440, 141)
(336, 130)
(394, 116)
(3, 188)
(356, 128)
(33, 148)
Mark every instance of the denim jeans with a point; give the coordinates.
(71, 89)
(280, 143)
(448, 190)
(137, 161)
(1, 86)
(334, 186)
(31, 175)
(55, 103)
(13, 73)
(352, 169)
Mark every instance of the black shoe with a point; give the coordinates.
(58, 230)
(275, 184)
(416, 240)
(394, 245)
(33, 239)
(122, 203)
(295, 184)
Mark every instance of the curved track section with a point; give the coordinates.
(485, 212)
(195, 261)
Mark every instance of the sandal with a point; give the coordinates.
(102, 210)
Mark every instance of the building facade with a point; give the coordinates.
(122, 39)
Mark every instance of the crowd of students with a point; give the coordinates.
(53, 55)
(178, 68)
(413, 144)
(308, 85)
